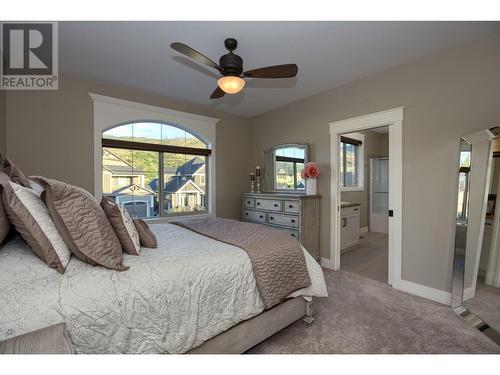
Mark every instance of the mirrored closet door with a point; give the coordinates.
(476, 267)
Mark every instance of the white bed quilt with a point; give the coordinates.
(172, 299)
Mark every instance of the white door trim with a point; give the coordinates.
(394, 119)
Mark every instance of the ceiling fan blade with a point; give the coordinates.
(218, 93)
(195, 55)
(276, 71)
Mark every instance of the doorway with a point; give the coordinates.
(341, 183)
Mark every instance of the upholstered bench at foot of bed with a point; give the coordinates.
(49, 340)
(249, 333)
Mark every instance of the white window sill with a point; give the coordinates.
(167, 219)
(352, 188)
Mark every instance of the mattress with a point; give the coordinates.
(172, 299)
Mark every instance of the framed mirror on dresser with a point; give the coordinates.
(283, 204)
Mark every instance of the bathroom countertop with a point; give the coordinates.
(349, 204)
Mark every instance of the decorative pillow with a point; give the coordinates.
(146, 236)
(123, 225)
(4, 220)
(36, 187)
(83, 224)
(31, 218)
(15, 173)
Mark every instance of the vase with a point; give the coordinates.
(311, 186)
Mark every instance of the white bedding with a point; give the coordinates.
(172, 299)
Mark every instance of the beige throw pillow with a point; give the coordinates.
(4, 220)
(123, 225)
(30, 217)
(82, 223)
(15, 173)
(146, 236)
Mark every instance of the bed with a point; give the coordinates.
(191, 294)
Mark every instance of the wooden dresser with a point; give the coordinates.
(295, 214)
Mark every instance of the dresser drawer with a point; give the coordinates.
(249, 202)
(255, 216)
(291, 206)
(268, 204)
(286, 220)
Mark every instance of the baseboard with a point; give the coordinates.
(424, 291)
(327, 263)
(363, 230)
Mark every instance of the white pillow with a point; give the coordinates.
(30, 217)
(131, 229)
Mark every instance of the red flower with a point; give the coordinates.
(310, 170)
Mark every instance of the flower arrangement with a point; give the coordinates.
(310, 170)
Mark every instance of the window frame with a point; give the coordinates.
(110, 112)
(358, 140)
(161, 150)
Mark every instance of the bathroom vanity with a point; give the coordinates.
(349, 220)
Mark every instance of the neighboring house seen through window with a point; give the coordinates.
(155, 169)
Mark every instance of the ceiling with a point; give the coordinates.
(328, 54)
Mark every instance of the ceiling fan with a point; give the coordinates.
(231, 68)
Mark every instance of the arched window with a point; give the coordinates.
(154, 169)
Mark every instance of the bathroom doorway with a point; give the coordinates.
(364, 192)
(346, 182)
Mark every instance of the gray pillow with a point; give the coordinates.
(82, 223)
(146, 236)
(14, 173)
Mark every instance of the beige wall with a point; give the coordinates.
(3, 121)
(50, 133)
(376, 145)
(445, 96)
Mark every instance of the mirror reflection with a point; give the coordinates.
(476, 268)
(283, 167)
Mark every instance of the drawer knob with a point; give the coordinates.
(248, 202)
(290, 206)
(271, 217)
(276, 205)
(262, 217)
(293, 235)
(293, 220)
(258, 203)
(246, 213)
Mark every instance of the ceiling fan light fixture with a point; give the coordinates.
(231, 84)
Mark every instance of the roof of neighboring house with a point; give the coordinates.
(176, 183)
(124, 168)
(132, 187)
(182, 176)
(190, 168)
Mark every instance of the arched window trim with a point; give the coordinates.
(112, 112)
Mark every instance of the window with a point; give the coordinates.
(154, 169)
(289, 163)
(351, 161)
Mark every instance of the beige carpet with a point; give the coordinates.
(366, 316)
(486, 304)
